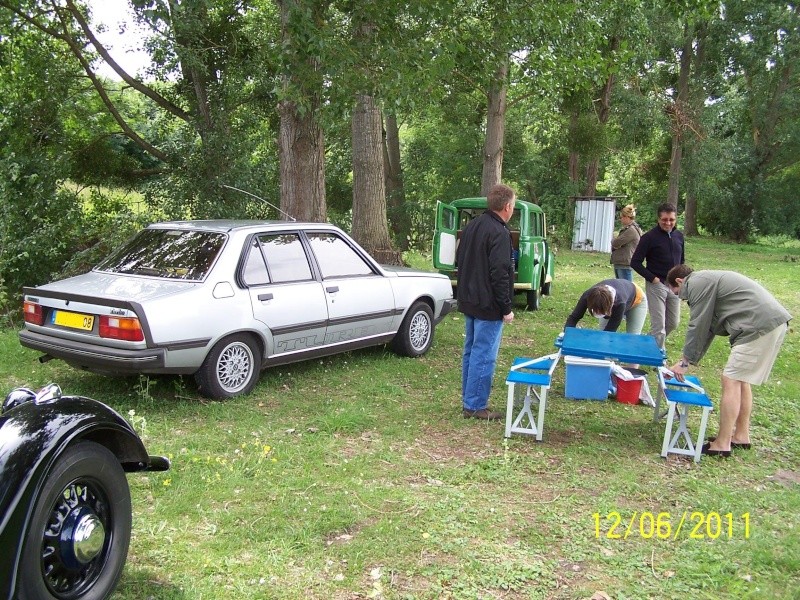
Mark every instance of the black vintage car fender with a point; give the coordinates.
(65, 513)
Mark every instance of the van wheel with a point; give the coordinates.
(533, 299)
(546, 288)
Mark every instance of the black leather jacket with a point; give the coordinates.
(485, 268)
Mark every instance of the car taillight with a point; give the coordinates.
(121, 328)
(33, 313)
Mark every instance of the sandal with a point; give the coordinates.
(709, 452)
(735, 446)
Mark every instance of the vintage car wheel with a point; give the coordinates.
(415, 335)
(231, 368)
(546, 288)
(77, 542)
(534, 300)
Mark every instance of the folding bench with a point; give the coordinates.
(535, 374)
(681, 396)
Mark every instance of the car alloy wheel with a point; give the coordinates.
(419, 330)
(234, 367)
(231, 368)
(415, 335)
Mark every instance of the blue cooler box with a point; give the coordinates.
(587, 378)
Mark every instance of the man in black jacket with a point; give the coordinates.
(485, 291)
(662, 249)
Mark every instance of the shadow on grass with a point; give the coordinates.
(141, 584)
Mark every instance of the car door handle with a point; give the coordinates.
(331, 289)
(264, 297)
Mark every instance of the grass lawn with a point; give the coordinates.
(357, 477)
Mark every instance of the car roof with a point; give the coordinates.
(229, 225)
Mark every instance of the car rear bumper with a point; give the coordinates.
(448, 306)
(96, 358)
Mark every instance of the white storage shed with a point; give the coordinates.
(594, 222)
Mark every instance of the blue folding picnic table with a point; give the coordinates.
(612, 345)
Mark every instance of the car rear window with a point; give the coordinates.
(168, 253)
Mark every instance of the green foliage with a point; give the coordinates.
(37, 217)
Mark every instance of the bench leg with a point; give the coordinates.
(665, 446)
(657, 414)
(525, 413)
(509, 409)
(514, 423)
(540, 419)
(701, 435)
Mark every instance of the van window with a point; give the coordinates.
(537, 224)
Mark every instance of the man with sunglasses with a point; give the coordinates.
(658, 251)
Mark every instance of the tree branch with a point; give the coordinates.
(98, 86)
(134, 83)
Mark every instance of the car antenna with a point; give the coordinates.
(287, 215)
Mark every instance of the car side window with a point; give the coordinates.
(255, 269)
(286, 258)
(336, 258)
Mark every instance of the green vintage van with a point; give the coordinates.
(534, 263)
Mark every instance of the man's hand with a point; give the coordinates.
(680, 369)
(509, 317)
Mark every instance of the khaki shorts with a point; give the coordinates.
(752, 362)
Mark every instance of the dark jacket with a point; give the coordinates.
(626, 296)
(661, 250)
(485, 268)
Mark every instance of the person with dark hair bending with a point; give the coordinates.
(661, 248)
(727, 303)
(610, 301)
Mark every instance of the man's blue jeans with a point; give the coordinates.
(623, 273)
(477, 364)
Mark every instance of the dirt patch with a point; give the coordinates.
(460, 445)
(787, 478)
(365, 443)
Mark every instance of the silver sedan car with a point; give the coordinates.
(225, 299)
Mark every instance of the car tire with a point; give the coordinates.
(231, 368)
(546, 287)
(533, 299)
(415, 336)
(77, 540)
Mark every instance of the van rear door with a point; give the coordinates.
(445, 237)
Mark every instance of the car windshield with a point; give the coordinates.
(170, 253)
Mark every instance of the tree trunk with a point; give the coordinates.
(674, 169)
(690, 215)
(301, 154)
(603, 112)
(592, 170)
(697, 96)
(680, 117)
(301, 142)
(369, 194)
(495, 130)
(399, 215)
(574, 167)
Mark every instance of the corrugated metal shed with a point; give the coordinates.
(594, 222)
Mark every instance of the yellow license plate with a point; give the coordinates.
(73, 320)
